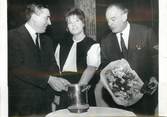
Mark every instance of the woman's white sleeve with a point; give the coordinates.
(93, 56)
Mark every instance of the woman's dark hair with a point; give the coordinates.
(31, 8)
(76, 11)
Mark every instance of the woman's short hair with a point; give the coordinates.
(75, 11)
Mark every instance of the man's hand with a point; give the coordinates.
(150, 87)
(153, 83)
(58, 83)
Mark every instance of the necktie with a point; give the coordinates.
(36, 41)
(124, 49)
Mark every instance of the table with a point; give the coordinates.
(92, 112)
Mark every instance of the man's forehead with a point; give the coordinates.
(114, 8)
(43, 11)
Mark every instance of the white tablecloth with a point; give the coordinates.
(92, 112)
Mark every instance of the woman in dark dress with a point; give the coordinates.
(77, 55)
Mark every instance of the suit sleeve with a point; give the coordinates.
(153, 50)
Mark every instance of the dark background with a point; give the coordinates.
(141, 11)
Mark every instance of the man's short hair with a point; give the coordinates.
(32, 8)
(120, 4)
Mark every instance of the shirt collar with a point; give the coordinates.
(31, 30)
(125, 31)
(125, 35)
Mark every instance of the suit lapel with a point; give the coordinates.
(116, 44)
(131, 42)
(134, 39)
(27, 37)
(114, 50)
(29, 43)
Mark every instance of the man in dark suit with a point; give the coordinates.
(31, 63)
(137, 44)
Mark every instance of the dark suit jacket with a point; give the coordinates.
(141, 52)
(29, 92)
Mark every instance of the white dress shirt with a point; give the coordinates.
(93, 57)
(125, 35)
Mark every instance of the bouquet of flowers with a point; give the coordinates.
(122, 82)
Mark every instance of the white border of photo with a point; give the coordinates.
(3, 60)
(162, 58)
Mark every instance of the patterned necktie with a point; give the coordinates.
(124, 49)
